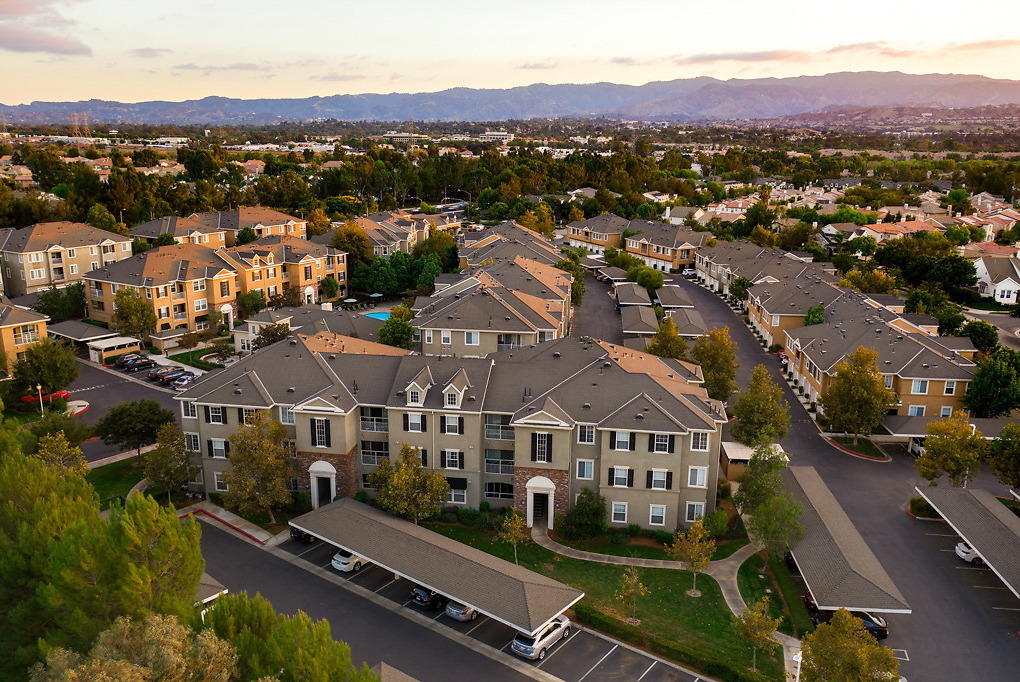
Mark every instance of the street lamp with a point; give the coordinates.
(38, 387)
(798, 657)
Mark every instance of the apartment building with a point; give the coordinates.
(717, 266)
(270, 263)
(219, 228)
(39, 256)
(529, 427)
(598, 234)
(19, 329)
(659, 245)
(776, 307)
(186, 230)
(308, 320)
(392, 231)
(507, 241)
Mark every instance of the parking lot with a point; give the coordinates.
(983, 586)
(583, 656)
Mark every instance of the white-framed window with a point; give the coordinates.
(126, 246)
(585, 469)
(201, 304)
(35, 258)
(658, 479)
(586, 434)
(321, 436)
(619, 512)
(697, 477)
(919, 387)
(191, 442)
(451, 424)
(219, 448)
(657, 515)
(888, 382)
(946, 411)
(660, 443)
(499, 491)
(454, 459)
(695, 511)
(271, 291)
(70, 253)
(198, 478)
(95, 265)
(542, 451)
(416, 422)
(244, 343)
(36, 274)
(414, 397)
(286, 415)
(216, 414)
(74, 268)
(621, 476)
(621, 440)
(950, 388)
(451, 399)
(445, 337)
(699, 441)
(221, 483)
(456, 496)
(915, 411)
(93, 251)
(189, 410)
(428, 336)
(198, 285)
(775, 320)
(471, 338)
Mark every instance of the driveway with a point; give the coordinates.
(955, 623)
(597, 316)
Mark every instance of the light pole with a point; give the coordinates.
(799, 656)
(38, 387)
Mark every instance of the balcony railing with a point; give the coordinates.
(373, 458)
(375, 424)
(22, 339)
(495, 466)
(178, 296)
(498, 432)
(507, 346)
(180, 316)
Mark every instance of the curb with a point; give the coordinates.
(858, 455)
(231, 526)
(127, 377)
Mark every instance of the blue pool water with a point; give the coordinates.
(378, 316)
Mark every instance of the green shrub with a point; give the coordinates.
(360, 496)
(717, 523)
(483, 507)
(469, 517)
(58, 405)
(216, 498)
(723, 489)
(736, 528)
(634, 530)
(448, 517)
(302, 503)
(586, 519)
(620, 538)
(662, 537)
(919, 507)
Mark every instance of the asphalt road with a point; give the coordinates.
(597, 316)
(374, 634)
(1008, 326)
(960, 628)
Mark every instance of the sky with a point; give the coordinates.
(137, 50)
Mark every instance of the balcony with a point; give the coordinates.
(178, 296)
(507, 346)
(180, 316)
(375, 424)
(499, 467)
(497, 432)
(22, 339)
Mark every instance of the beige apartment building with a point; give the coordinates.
(19, 329)
(271, 263)
(219, 228)
(39, 256)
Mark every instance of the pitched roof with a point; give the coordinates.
(67, 235)
(1000, 269)
(632, 294)
(312, 318)
(638, 319)
(673, 296)
(13, 315)
(162, 265)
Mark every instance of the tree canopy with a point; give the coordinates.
(843, 650)
(761, 411)
(953, 449)
(717, 355)
(49, 363)
(133, 425)
(856, 398)
(408, 489)
(667, 342)
(260, 472)
(132, 315)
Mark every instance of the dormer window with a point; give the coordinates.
(414, 398)
(451, 399)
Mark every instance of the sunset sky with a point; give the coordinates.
(144, 50)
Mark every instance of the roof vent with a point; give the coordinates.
(293, 342)
(607, 364)
(587, 406)
(640, 416)
(290, 389)
(332, 357)
(556, 354)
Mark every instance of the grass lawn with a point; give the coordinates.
(194, 358)
(644, 551)
(756, 582)
(863, 446)
(703, 623)
(991, 306)
(115, 479)
(24, 418)
(918, 506)
(794, 599)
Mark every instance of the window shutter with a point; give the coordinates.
(460, 425)
(209, 443)
(311, 423)
(407, 420)
(240, 415)
(534, 447)
(424, 423)
(633, 441)
(442, 424)
(224, 412)
(327, 432)
(424, 457)
(672, 443)
(612, 475)
(630, 478)
(208, 416)
(460, 461)
(648, 479)
(651, 442)
(669, 480)
(548, 447)
(442, 459)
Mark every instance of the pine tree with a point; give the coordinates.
(61, 456)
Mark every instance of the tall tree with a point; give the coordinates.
(843, 650)
(856, 398)
(61, 456)
(951, 448)
(352, 239)
(667, 342)
(761, 411)
(246, 235)
(869, 281)
(695, 548)
(48, 363)
(270, 334)
(167, 466)
(760, 480)
(577, 283)
(62, 304)
(408, 489)
(251, 302)
(757, 627)
(717, 355)
(260, 468)
(132, 315)
(318, 222)
(739, 287)
(133, 425)
(631, 589)
(776, 523)
(994, 390)
(1004, 458)
(514, 530)
(984, 335)
(815, 315)
(397, 332)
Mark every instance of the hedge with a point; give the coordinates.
(724, 670)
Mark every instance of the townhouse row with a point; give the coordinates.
(659, 245)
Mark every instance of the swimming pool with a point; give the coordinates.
(378, 316)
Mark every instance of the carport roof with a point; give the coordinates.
(80, 331)
(917, 427)
(509, 593)
(836, 563)
(985, 523)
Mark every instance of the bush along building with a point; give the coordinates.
(529, 427)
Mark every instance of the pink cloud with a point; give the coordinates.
(17, 38)
(756, 57)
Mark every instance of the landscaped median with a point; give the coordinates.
(696, 632)
(861, 447)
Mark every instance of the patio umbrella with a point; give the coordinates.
(375, 295)
(350, 300)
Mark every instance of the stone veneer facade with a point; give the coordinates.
(560, 478)
(347, 480)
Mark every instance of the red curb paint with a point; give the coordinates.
(228, 525)
(857, 454)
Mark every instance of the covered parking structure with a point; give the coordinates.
(837, 565)
(985, 523)
(915, 429)
(506, 592)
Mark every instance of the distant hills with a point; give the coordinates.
(678, 100)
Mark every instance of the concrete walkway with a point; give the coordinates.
(724, 571)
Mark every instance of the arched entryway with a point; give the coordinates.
(322, 477)
(541, 493)
(309, 294)
(228, 315)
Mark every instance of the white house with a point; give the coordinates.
(999, 278)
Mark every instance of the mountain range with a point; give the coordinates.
(686, 99)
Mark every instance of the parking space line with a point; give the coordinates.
(942, 535)
(484, 618)
(308, 550)
(386, 585)
(506, 645)
(989, 587)
(615, 646)
(562, 643)
(1004, 608)
(971, 568)
(441, 613)
(901, 654)
(947, 550)
(407, 602)
(647, 671)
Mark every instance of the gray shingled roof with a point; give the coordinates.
(673, 296)
(985, 523)
(917, 427)
(630, 293)
(506, 592)
(77, 330)
(836, 563)
(638, 319)
(688, 321)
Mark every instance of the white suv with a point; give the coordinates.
(346, 561)
(535, 647)
(967, 553)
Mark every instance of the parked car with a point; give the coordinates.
(301, 536)
(127, 357)
(963, 550)
(876, 625)
(689, 272)
(35, 398)
(348, 561)
(426, 598)
(157, 372)
(461, 612)
(170, 376)
(182, 381)
(535, 647)
(140, 364)
(129, 363)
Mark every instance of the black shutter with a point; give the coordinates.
(209, 443)
(633, 441)
(630, 478)
(669, 480)
(612, 475)
(460, 425)
(424, 457)
(442, 459)
(223, 411)
(460, 460)
(327, 432)
(548, 447)
(648, 480)
(407, 420)
(208, 417)
(240, 415)
(534, 447)
(424, 423)
(672, 444)
(651, 442)
(311, 423)
(442, 424)
(226, 448)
